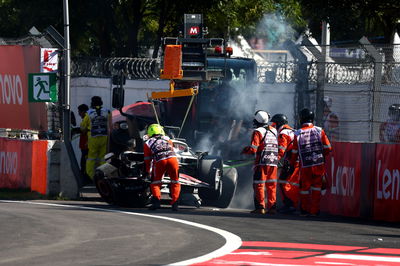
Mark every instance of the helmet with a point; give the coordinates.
(279, 120)
(155, 129)
(306, 116)
(394, 112)
(261, 118)
(96, 101)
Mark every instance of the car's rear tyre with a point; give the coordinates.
(229, 181)
(103, 187)
(134, 201)
(130, 193)
(210, 171)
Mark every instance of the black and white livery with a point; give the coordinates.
(121, 180)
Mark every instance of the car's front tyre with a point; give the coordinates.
(103, 187)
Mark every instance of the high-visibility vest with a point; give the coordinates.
(160, 147)
(268, 146)
(310, 146)
(98, 122)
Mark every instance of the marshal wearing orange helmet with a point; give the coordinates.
(160, 158)
(264, 145)
(310, 145)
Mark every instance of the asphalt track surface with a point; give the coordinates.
(94, 233)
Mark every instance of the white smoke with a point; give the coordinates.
(277, 96)
(396, 47)
(204, 143)
(233, 132)
(274, 31)
(271, 33)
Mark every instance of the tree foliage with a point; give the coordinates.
(18, 16)
(134, 27)
(352, 19)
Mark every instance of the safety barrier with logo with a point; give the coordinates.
(387, 198)
(364, 181)
(23, 164)
(363, 178)
(343, 172)
(17, 112)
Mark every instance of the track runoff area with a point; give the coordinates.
(278, 253)
(236, 252)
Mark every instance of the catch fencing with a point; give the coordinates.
(360, 81)
(360, 87)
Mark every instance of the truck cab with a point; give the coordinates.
(222, 97)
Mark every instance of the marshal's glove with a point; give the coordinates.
(247, 150)
(145, 176)
(286, 169)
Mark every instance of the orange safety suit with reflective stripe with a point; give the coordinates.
(310, 145)
(290, 185)
(264, 145)
(160, 158)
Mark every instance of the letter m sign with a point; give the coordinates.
(194, 30)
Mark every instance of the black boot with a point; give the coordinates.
(304, 213)
(174, 206)
(272, 210)
(155, 204)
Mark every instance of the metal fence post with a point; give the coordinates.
(376, 87)
(301, 79)
(321, 73)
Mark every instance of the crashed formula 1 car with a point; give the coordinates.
(121, 179)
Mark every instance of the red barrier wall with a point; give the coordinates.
(39, 166)
(343, 173)
(387, 183)
(363, 178)
(364, 181)
(15, 65)
(15, 166)
(23, 164)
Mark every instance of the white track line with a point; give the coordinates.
(362, 257)
(232, 241)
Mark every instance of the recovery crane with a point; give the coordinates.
(194, 64)
(188, 65)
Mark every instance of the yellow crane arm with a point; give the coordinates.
(173, 93)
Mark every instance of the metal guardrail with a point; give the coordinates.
(273, 72)
(391, 73)
(134, 68)
(354, 73)
(277, 72)
(360, 71)
(349, 73)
